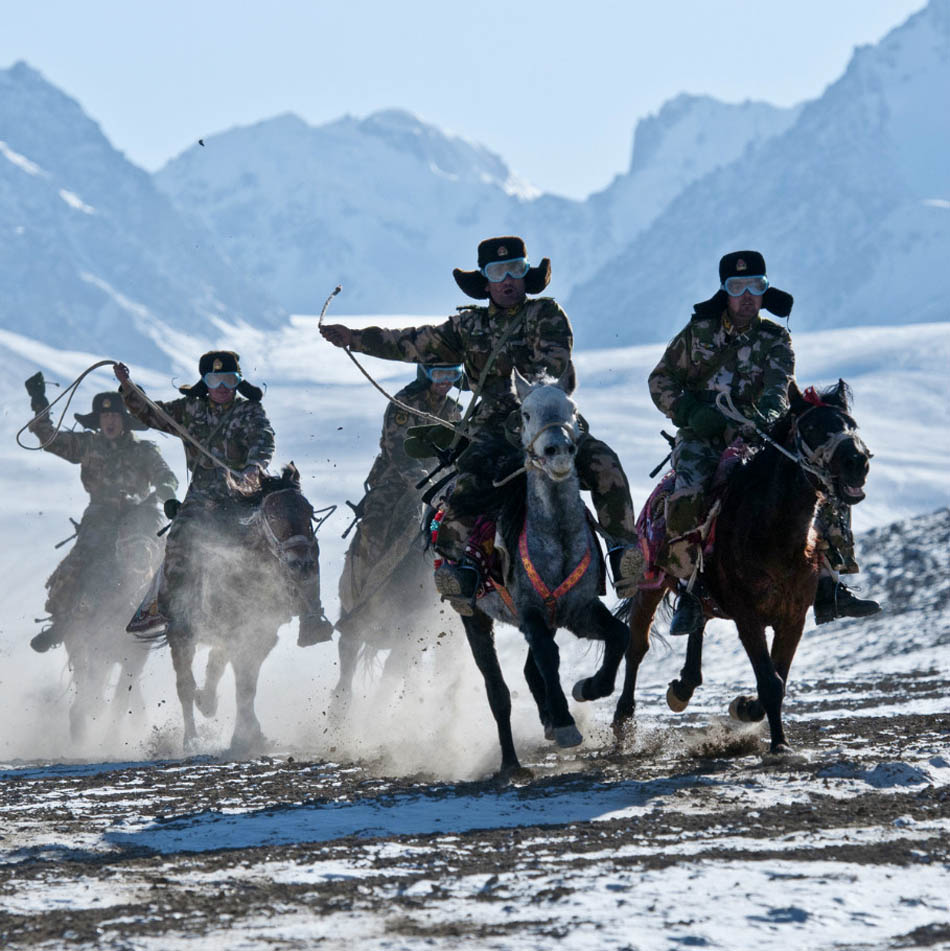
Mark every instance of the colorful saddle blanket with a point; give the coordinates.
(651, 524)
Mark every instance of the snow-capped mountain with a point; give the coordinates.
(390, 204)
(93, 254)
(851, 206)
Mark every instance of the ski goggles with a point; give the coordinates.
(214, 380)
(444, 374)
(758, 284)
(497, 271)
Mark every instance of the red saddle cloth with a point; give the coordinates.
(651, 524)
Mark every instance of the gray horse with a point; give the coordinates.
(555, 573)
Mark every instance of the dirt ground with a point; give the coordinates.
(85, 863)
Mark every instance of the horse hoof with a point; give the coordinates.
(781, 749)
(567, 736)
(675, 702)
(548, 731)
(746, 709)
(515, 774)
(577, 692)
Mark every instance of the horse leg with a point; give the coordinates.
(248, 738)
(183, 654)
(547, 658)
(680, 692)
(481, 639)
(206, 696)
(785, 643)
(348, 649)
(771, 687)
(642, 609)
(600, 625)
(88, 682)
(536, 685)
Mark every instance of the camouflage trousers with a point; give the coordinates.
(695, 461)
(392, 520)
(601, 474)
(115, 549)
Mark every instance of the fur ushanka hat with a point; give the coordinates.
(220, 361)
(744, 264)
(108, 403)
(509, 248)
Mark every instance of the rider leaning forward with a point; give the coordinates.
(728, 347)
(125, 478)
(512, 331)
(222, 412)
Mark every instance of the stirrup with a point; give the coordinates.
(834, 600)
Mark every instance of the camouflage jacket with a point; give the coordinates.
(541, 343)
(112, 470)
(238, 434)
(756, 370)
(392, 463)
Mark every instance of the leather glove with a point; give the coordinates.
(36, 387)
(707, 422)
(171, 507)
(422, 441)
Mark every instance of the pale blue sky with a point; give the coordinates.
(554, 87)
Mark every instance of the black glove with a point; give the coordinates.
(683, 408)
(171, 507)
(707, 422)
(36, 387)
(423, 442)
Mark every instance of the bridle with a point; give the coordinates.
(532, 459)
(816, 461)
(279, 549)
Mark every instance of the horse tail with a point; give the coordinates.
(623, 609)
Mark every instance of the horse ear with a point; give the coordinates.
(796, 401)
(291, 473)
(567, 381)
(522, 386)
(843, 395)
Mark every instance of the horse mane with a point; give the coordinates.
(490, 459)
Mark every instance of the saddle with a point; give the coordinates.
(651, 523)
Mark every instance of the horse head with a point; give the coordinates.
(826, 436)
(285, 518)
(549, 425)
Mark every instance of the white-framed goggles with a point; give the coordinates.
(213, 380)
(756, 284)
(497, 271)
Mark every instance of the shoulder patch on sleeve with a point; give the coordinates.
(401, 418)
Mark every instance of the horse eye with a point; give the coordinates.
(527, 416)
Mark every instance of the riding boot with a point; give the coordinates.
(458, 583)
(688, 618)
(315, 628)
(834, 600)
(47, 638)
(626, 565)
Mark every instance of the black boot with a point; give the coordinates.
(315, 628)
(834, 600)
(688, 617)
(458, 583)
(47, 638)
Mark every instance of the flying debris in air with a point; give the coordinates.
(201, 142)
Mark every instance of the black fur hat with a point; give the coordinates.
(507, 248)
(110, 402)
(744, 264)
(220, 361)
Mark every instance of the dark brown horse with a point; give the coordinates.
(763, 571)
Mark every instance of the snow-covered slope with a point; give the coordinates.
(92, 254)
(851, 206)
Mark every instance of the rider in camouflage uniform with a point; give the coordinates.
(533, 336)
(728, 347)
(235, 431)
(392, 504)
(125, 478)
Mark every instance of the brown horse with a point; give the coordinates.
(763, 571)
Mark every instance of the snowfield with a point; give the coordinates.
(387, 830)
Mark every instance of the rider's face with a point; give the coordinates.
(111, 425)
(221, 394)
(507, 293)
(743, 309)
(440, 390)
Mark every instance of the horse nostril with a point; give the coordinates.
(550, 451)
(571, 449)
